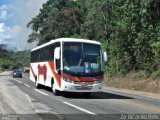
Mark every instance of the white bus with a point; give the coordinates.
(68, 64)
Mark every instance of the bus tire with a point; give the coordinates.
(55, 91)
(37, 84)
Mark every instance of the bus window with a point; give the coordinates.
(51, 52)
(58, 61)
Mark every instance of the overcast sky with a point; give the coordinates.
(14, 16)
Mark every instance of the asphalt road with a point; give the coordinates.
(107, 105)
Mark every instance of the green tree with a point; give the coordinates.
(57, 18)
(129, 30)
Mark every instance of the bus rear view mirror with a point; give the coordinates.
(57, 53)
(105, 57)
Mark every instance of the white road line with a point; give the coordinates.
(26, 85)
(28, 98)
(2, 109)
(17, 81)
(86, 111)
(41, 92)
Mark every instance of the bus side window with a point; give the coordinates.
(38, 53)
(47, 53)
(58, 63)
(31, 58)
(51, 52)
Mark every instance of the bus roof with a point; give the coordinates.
(66, 40)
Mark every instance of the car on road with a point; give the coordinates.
(17, 73)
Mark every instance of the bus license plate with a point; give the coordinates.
(84, 86)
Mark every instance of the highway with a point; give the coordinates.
(30, 103)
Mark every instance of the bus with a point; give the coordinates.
(68, 64)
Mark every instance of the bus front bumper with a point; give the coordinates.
(82, 87)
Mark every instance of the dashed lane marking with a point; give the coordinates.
(17, 81)
(26, 85)
(41, 92)
(79, 108)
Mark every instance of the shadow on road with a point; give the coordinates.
(100, 95)
(45, 88)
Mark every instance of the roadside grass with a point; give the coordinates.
(155, 74)
(137, 75)
(134, 81)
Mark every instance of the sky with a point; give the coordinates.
(14, 16)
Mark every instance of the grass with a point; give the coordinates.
(138, 75)
(134, 81)
(155, 74)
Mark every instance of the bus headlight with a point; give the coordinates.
(98, 81)
(67, 80)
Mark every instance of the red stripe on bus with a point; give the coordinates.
(32, 72)
(82, 79)
(42, 70)
(70, 77)
(56, 76)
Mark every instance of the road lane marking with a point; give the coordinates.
(18, 81)
(26, 85)
(136, 104)
(2, 109)
(28, 98)
(81, 109)
(41, 92)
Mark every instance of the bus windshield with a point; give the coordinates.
(82, 57)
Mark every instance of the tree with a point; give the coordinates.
(129, 30)
(57, 18)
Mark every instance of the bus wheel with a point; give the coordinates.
(37, 84)
(55, 91)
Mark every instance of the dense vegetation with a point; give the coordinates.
(6, 61)
(129, 30)
(10, 60)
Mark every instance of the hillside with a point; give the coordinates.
(10, 60)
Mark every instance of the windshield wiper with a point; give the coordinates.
(79, 63)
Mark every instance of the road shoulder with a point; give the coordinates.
(134, 93)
